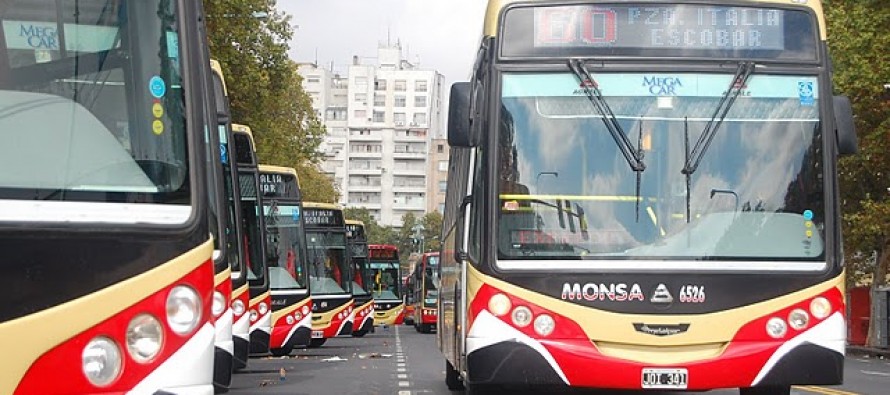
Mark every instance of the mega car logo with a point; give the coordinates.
(662, 86)
(620, 292)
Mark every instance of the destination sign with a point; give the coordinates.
(322, 217)
(673, 29)
(387, 253)
(277, 185)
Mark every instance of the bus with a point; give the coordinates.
(259, 307)
(329, 274)
(239, 296)
(363, 312)
(286, 259)
(389, 308)
(425, 278)
(667, 168)
(104, 226)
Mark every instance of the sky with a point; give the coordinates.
(443, 33)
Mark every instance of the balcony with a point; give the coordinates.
(413, 154)
(365, 135)
(410, 135)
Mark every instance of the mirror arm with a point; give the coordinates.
(461, 254)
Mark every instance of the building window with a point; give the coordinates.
(361, 97)
(420, 85)
(399, 118)
(313, 79)
(442, 186)
(441, 208)
(419, 101)
(400, 101)
(379, 100)
(440, 148)
(361, 83)
(443, 165)
(379, 85)
(361, 114)
(400, 85)
(420, 118)
(378, 116)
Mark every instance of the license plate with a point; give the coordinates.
(665, 378)
(317, 334)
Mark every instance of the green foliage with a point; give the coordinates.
(265, 90)
(859, 42)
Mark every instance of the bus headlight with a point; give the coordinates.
(544, 325)
(183, 309)
(289, 320)
(305, 310)
(238, 307)
(776, 327)
(264, 308)
(144, 338)
(219, 304)
(820, 308)
(499, 305)
(253, 315)
(298, 316)
(798, 319)
(522, 316)
(101, 361)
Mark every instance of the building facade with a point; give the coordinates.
(438, 174)
(380, 119)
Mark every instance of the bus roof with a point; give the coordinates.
(327, 206)
(354, 222)
(280, 170)
(495, 7)
(217, 68)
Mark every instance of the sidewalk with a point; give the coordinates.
(872, 351)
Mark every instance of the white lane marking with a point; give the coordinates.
(873, 373)
(404, 383)
(401, 370)
(402, 376)
(401, 365)
(404, 392)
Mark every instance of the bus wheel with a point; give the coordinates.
(281, 352)
(766, 391)
(359, 333)
(316, 343)
(452, 377)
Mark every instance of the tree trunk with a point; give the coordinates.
(879, 279)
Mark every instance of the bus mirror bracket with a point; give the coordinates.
(460, 122)
(845, 127)
(462, 254)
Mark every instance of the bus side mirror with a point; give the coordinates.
(460, 130)
(847, 142)
(462, 254)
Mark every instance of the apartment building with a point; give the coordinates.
(438, 174)
(380, 118)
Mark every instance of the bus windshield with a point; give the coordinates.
(284, 246)
(386, 280)
(328, 268)
(755, 195)
(117, 133)
(251, 224)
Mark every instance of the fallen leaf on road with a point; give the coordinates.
(334, 359)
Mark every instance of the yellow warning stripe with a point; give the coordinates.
(823, 390)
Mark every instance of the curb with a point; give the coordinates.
(868, 351)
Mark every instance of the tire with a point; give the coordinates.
(359, 333)
(780, 390)
(316, 343)
(425, 328)
(452, 377)
(281, 352)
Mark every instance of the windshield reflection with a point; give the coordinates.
(757, 192)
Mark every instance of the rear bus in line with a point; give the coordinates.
(286, 259)
(425, 278)
(389, 308)
(107, 269)
(259, 307)
(239, 296)
(330, 281)
(363, 313)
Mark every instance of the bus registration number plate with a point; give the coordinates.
(317, 334)
(665, 378)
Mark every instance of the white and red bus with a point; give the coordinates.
(107, 265)
(644, 195)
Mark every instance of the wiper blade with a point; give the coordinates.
(633, 156)
(693, 159)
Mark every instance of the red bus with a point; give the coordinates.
(425, 290)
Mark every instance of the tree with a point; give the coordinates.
(250, 38)
(858, 44)
(432, 227)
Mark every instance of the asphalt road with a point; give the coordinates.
(400, 361)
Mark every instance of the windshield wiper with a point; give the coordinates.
(634, 156)
(694, 157)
